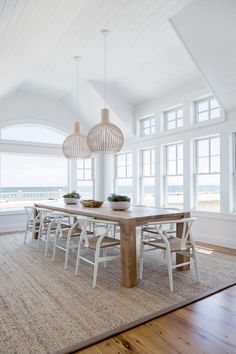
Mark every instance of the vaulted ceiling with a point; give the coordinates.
(147, 57)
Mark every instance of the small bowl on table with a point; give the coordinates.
(91, 203)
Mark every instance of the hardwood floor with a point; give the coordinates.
(207, 326)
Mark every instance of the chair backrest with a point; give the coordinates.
(30, 212)
(186, 233)
(85, 222)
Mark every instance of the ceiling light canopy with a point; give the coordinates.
(105, 137)
(75, 145)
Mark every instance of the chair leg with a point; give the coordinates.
(95, 272)
(169, 264)
(54, 246)
(26, 231)
(195, 262)
(78, 259)
(67, 251)
(104, 251)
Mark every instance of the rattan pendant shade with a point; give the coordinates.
(105, 137)
(75, 145)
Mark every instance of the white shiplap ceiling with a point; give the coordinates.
(39, 38)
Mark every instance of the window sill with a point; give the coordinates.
(213, 215)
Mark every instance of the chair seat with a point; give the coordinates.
(174, 242)
(106, 242)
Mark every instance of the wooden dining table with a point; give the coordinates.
(128, 220)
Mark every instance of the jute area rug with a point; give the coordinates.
(44, 308)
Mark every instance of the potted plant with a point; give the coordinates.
(71, 198)
(119, 202)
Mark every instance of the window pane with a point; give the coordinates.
(146, 131)
(88, 174)
(203, 106)
(85, 189)
(171, 152)
(153, 130)
(146, 170)
(88, 163)
(215, 164)
(31, 178)
(215, 146)
(180, 113)
(148, 191)
(153, 123)
(146, 156)
(203, 147)
(203, 165)
(80, 174)
(214, 103)
(121, 160)
(172, 168)
(129, 171)
(171, 116)
(180, 151)
(171, 125)
(120, 172)
(146, 123)
(203, 116)
(125, 187)
(153, 169)
(180, 167)
(215, 113)
(175, 192)
(129, 159)
(180, 122)
(208, 192)
(33, 133)
(80, 163)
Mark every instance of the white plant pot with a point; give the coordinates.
(119, 205)
(71, 200)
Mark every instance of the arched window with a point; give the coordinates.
(33, 133)
(31, 172)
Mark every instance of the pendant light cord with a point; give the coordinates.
(77, 58)
(105, 33)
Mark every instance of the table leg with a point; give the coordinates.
(128, 253)
(180, 258)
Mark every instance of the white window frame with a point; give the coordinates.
(176, 119)
(152, 120)
(152, 174)
(126, 167)
(208, 111)
(84, 169)
(166, 172)
(196, 174)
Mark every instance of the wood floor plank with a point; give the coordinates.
(207, 326)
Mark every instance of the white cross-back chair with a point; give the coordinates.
(184, 246)
(32, 222)
(96, 243)
(64, 235)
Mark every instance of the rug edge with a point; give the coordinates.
(93, 340)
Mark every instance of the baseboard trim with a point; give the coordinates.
(91, 341)
(217, 248)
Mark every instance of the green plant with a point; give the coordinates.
(118, 198)
(73, 194)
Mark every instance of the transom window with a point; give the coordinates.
(32, 133)
(173, 178)
(85, 180)
(148, 126)
(207, 181)
(148, 177)
(124, 174)
(207, 109)
(173, 118)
